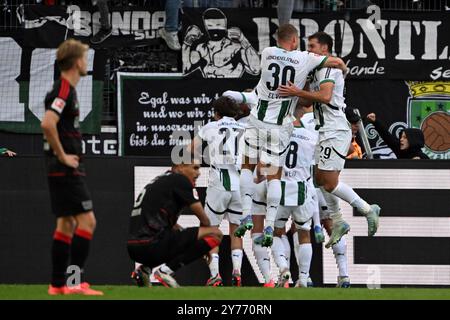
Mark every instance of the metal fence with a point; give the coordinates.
(157, 58)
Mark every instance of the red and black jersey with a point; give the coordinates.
(62, 100)
(158, 206)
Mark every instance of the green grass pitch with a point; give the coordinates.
(39, 292)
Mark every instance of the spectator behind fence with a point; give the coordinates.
(170, 31)
(212, 3)
(410, 144)
(285, 8)
(355, 150)
(6, 152)
(105, 29)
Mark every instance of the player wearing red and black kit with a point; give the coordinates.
(154, 236)
(68, 190)
(70, 199)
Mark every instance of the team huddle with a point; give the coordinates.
(280, 162)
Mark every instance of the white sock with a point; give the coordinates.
(287, 248)
(214, 265)
(340, 253)
(278, 253)
(273, 201)
(262, 258)
(137, 265)
(247, 187)
(305, 256)
(236, 258)
(347, 194)
(316, 217)
(164, 268)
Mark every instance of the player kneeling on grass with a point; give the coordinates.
(223, 199)
(156, 239)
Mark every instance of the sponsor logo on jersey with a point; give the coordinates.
(58, 104)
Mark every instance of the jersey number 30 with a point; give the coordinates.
(288, 73)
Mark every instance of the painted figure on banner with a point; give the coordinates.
(220, 53)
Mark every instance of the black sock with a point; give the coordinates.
(197, 250)
(80, 248)
(60, 258)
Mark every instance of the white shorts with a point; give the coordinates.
(221, 203)
(332, 149)
(259, 202)
(267, 142)
(301, 215)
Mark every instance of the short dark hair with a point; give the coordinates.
(323, 38)
(226, 107)
(286, 31)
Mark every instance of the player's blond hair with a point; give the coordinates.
(286, 31)
(69, 52)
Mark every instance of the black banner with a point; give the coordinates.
(48, 26)
(152, 109)
(388, 45)
(379, 44)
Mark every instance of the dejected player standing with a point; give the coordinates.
(70, 198)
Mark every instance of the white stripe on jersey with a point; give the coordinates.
(299, 161)
(330, 117)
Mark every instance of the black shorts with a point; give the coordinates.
(170, 245)
(69, 196)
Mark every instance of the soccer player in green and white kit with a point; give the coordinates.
(270, 123)
(334, 139)
(223, 199)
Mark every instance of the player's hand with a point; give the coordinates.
(371, 117)
(205, 223)
(288, 90)
(70, 160)
(235, 34)
(9, 153)
(193, 33)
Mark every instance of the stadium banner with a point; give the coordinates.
(375, 44)
(152, 108)
(27, 74)
(47, 26)
(104, 143)
(227, 43)
(410, 248)
(410, 224)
